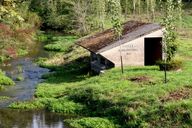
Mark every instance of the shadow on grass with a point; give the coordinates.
(74, 71)
(99, 107)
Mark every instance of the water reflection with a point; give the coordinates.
(30, 119)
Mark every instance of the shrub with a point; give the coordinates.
(20, 78)
(58, 47)
(3, 98)
(60, 44)
(41, 36)
(65, 106)
(3, 58)
(174, 64)
(91, 122)
(36, 104)
(22, 52)
(5, 80)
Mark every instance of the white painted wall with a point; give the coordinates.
(132, 52)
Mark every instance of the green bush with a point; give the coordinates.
(36, 104)
(85, 94)
(64, 106)
(3, 58)
(60, 44)
(22, 52)
(174, 64)
(41, 36)
(40, 61)
(3, 98)
(5, 80)
(20, 78)
(58, 47)
(91, 122)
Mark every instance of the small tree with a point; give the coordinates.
(80, 10)
(152, 9)
(99, 11)
(169, 39)
(115, 11)
(180, 11)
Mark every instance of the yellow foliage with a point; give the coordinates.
(7, 10)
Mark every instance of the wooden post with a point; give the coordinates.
(165, 71)
(121, 58)
(165, 64)
(122, 65)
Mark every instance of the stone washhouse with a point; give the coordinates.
(140, 45)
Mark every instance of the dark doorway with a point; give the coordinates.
(153, 50)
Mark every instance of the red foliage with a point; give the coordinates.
(26, 31)
(24, 34)
(21, 34)
(11, 52)
(5, 30)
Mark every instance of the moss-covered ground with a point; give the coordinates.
(5, 81)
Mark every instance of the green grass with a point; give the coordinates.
(186, 22)
(30, 105)
(91, 122)
(185, 48)
(3, 58)
(3, 98)
(20, 78)
(64, 106)
(4, 80)
(22, 52)
(60, 43)
(114, 96)
(112, 99)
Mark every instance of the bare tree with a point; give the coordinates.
(80, 9)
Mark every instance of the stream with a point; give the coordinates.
(24, 90)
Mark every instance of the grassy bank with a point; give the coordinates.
(5, 81)
(138, 98)
(3, 98)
